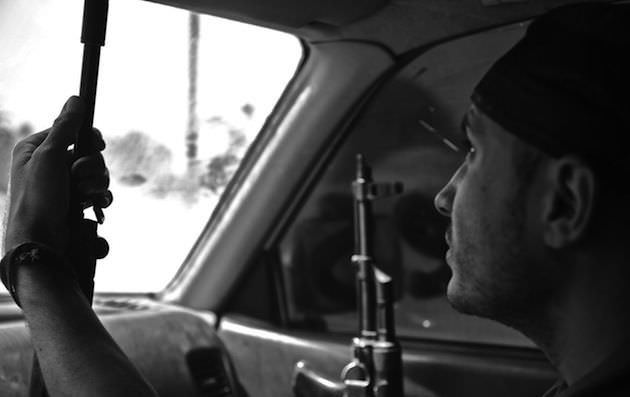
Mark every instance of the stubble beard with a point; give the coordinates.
(492, 274)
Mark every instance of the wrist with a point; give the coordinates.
(30, 269)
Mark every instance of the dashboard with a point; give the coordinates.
(177, 350)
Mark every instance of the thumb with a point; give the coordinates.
(65, 128)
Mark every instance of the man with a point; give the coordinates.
(538, 209)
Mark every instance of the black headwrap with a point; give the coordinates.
(565, 87)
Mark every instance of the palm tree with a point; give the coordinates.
(192, 134)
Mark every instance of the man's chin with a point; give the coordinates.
(460, 298)
(453, 294)
(459, 292)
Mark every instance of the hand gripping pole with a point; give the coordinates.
(84, 238)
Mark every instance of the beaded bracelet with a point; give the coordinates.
(26, 254)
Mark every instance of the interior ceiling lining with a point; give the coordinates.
(399, 25)
(407, 24)
(289, 14)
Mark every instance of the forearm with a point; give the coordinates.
(77, 355)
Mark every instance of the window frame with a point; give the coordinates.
(313, 181)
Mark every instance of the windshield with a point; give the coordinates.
(180, 98)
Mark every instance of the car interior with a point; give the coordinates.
(268, 290)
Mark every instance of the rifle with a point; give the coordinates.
(87, 247)
(376, 367)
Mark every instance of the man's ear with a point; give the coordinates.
(569, 201)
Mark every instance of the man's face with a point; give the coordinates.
(492, 242)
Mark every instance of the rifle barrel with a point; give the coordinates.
(366, 293)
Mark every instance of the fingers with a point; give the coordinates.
(100, 200)
(90, 175)
(101, 248)
(33, 140)
(98, 141)
(104, 200)
(65, 128)
(91, 180)
(24, 149)
(62, 134)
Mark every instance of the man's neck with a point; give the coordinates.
(585, 326)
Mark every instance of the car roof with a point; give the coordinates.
(399, 25)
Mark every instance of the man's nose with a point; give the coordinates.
(443, 201)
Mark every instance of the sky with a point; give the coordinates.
(143, 86)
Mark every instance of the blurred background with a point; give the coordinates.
(180, 98)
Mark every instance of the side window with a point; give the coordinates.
(180, 99)
(399, 134)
